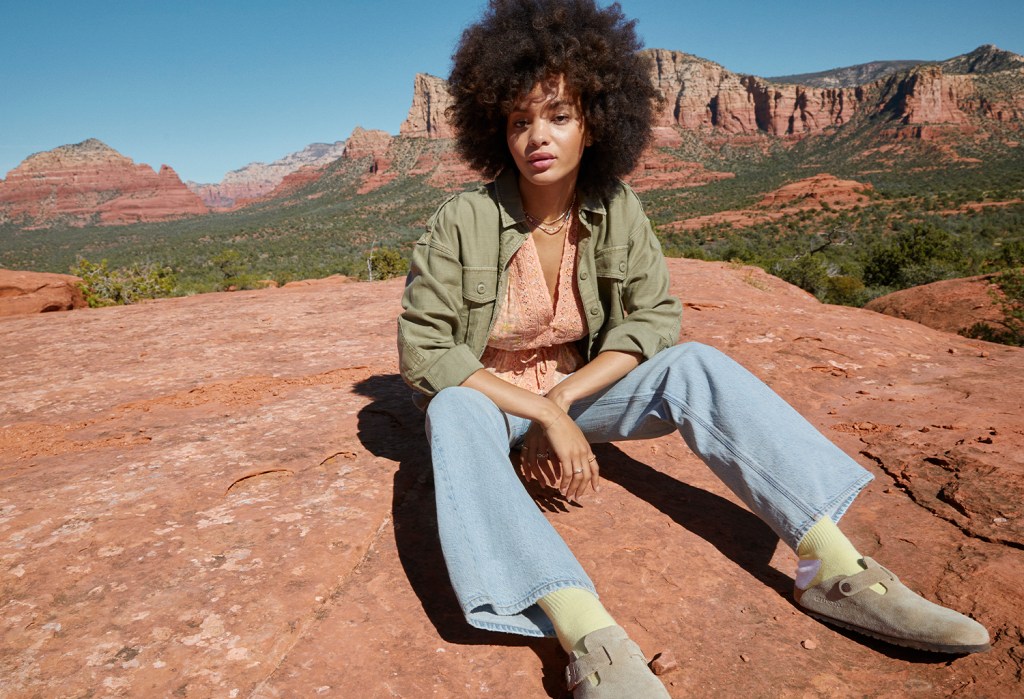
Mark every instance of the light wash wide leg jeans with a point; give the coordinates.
(502, 553)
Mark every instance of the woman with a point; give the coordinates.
(537, 316)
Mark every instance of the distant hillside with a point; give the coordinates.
(850, 76)
(258, 179)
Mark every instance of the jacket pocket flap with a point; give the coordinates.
(611, 262)
(479, 285)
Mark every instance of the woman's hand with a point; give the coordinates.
(537, 458)
(574, 463)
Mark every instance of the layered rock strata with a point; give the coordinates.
(91, 183)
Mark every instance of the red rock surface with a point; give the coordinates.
(23, 293)
(229, 495)
(91, 183)
(951, 305)
(658, 169)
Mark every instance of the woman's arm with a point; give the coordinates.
(554, 449)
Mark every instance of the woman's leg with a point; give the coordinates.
(505, 560)
(502, 553)
(783, 468)
(788, 474)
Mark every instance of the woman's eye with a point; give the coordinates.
(519, 123)
(563, 119)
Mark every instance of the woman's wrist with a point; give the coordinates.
(560, 397)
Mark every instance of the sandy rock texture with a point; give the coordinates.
(951, 305)
(229, 495)
(24, 293)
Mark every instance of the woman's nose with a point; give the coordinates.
(538, 133)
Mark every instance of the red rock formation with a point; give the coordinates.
(951, 305)
(90, 183)
(256, 181)
(372, 145)
(660, 170)
(815, 192)
(930, 95)
(38, 292)
(426, 116)
(290, 184)
(266, 524)
(701, 94)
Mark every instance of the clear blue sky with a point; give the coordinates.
(209, 86)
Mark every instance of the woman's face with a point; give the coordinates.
(546, 135)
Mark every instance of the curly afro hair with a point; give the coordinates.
(520, 43)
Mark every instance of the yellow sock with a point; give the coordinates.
(824, 553)
(575, 613)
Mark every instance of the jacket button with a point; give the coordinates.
(583, 274)
(622, 266)
(593, 311)
(480, 288)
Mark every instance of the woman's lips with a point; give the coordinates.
(543, 163)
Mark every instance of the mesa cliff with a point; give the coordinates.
(91, 183)
(230, 495)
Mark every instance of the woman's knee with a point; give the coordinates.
(694, 352)
(459, 405)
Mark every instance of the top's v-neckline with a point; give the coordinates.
(553, 299)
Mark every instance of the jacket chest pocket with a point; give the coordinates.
(610, 267)
(479, 291)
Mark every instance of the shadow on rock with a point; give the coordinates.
(736, 532)
(391, 427)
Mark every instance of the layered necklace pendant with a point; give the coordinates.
(555, 226)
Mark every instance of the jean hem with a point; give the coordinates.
(834, 509)
(516, 609)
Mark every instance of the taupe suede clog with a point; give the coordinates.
(620, 666)
(900, 616)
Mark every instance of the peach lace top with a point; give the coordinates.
(532, 343)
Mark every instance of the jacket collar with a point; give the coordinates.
(510, 204)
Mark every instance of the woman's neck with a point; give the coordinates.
(546, 203)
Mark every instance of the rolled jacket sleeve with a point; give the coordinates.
(430, 356)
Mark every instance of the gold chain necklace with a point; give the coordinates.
(549, 227)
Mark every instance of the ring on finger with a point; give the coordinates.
(543, 455)
(577, 470)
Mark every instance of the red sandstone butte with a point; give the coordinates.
(38, 292)
(230, 495)
(91, 183)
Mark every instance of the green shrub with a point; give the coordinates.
(103, 286)
(385, 263)
(1009, 296)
